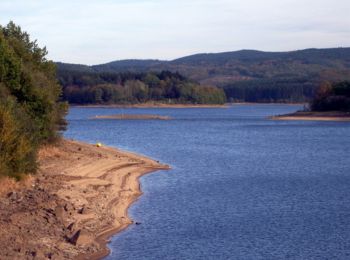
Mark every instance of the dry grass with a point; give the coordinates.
(8, 184)
(50, 151)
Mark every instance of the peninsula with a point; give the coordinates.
(331, 103)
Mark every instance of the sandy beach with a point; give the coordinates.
(76, 202)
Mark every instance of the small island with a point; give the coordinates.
(331, 103)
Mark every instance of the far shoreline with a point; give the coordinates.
(267, 103)
(146, 105)
(314, 116)
(164, 105)
(131, 117)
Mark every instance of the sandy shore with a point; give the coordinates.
(77, 201)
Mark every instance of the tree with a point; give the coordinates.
(332, 97)
(30, 111)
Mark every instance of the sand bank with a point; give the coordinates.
(77, 201)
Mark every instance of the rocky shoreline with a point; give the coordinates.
(74, 204)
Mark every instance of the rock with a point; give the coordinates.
(85, 210)
(68, 207)
(59, 212)
(49, 211)
(71, 226)
(12, 195)
(81, 238)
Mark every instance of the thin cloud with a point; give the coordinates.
(100, 31)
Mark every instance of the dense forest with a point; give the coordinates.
(30, 113)
(132, 87)
(268, 91)
(247, 75)
(332, 97)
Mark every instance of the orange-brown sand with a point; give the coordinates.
(76, 202)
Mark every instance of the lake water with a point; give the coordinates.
(241, 186)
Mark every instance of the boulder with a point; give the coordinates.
(81, 238)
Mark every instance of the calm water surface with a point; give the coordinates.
(241, 187)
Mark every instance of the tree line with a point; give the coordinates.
(271, 91)
(30, 111)
(332, 97)
(82, 87)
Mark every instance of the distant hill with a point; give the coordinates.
(74, 67)
(127, 65)
(310, 55)
(247, 70)
(229, 67)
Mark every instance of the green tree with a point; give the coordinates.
(30, 111)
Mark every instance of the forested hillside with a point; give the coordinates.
(30, 111)
(248, 75)
(88, 87)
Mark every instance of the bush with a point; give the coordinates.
(334, 97)
(18, 147)
(30, 111)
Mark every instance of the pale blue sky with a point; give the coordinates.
(93, 32)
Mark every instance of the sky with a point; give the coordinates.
(95, 32)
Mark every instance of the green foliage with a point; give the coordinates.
(33, 81)
(30, 113)
(330, 97)
(277, 90)
(18, 146)
(111, 88)
(247, 75)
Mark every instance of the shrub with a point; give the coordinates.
(18, 147)
(30, 111)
